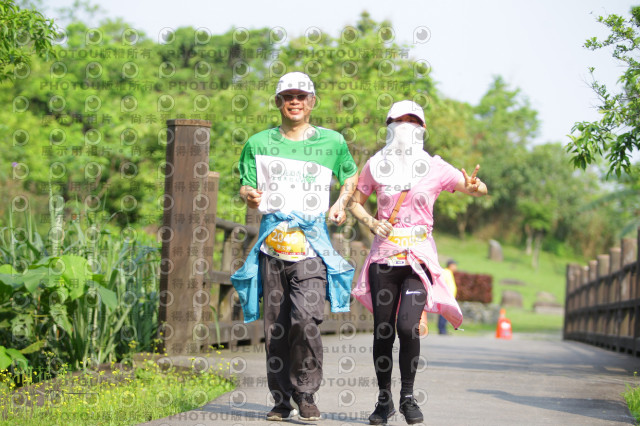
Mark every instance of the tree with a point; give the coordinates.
(624, 200)
(92, 124)
(538, 218)
(617, 134)
(23, 32)
(505, 125)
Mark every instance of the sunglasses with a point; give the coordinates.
(289, 97)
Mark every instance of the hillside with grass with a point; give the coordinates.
(472, 257)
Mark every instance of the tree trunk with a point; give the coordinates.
(461, 223)
(536, 250)
(529, 232)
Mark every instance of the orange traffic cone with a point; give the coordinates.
(424, 327)
(503, 330)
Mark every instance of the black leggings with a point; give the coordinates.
(387, 284)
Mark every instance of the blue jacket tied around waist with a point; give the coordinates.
(247, 281)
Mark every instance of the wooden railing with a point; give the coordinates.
(603, 300)
(198, 305)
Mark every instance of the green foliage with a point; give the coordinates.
(622, 202)
(23, 32)
(496, 134)
(119, 395)
(93, 123)
(617, 134)
(533, 192)
(506, 125)
(632, 396)
(10, 356)
(536, 215)
(80, 292)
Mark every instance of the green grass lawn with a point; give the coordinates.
(110, 397)
(472, 257)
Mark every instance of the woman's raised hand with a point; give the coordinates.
(471, 183)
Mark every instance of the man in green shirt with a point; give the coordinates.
(286, 174)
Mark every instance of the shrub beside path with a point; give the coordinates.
(530, 380)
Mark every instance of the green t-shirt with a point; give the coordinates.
(295, 175)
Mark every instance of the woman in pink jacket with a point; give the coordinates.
(401, 277)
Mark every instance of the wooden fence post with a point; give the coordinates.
(583, 274)
(232, 255)
(613, 314)
(603, 270)
(593, 276)
(603, 299)
(627, 257)
(203, 332)
(184, 236)
(568, 305)
(615, 256)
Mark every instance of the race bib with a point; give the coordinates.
(406, 238)
(288, 244)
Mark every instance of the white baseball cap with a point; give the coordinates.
(295, 80)
(405, 107)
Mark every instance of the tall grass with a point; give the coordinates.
(80, 288)
(632, 396)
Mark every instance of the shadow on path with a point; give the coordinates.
(464, 380)
(550, 358)
(601, 409)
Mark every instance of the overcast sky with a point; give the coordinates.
(535, 45)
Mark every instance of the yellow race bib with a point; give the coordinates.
(288, 244)
(406, 238)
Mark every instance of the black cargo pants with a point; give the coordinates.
(294, 295)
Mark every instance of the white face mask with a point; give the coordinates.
(403, 161)
(405, 135)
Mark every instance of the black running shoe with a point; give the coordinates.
(381, 414)
(409, 408)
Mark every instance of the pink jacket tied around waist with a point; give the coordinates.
(416, 210)
(439, 297)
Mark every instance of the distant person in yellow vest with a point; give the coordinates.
(450, 280)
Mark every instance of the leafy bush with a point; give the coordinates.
(83, 292)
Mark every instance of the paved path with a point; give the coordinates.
(530, 380)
